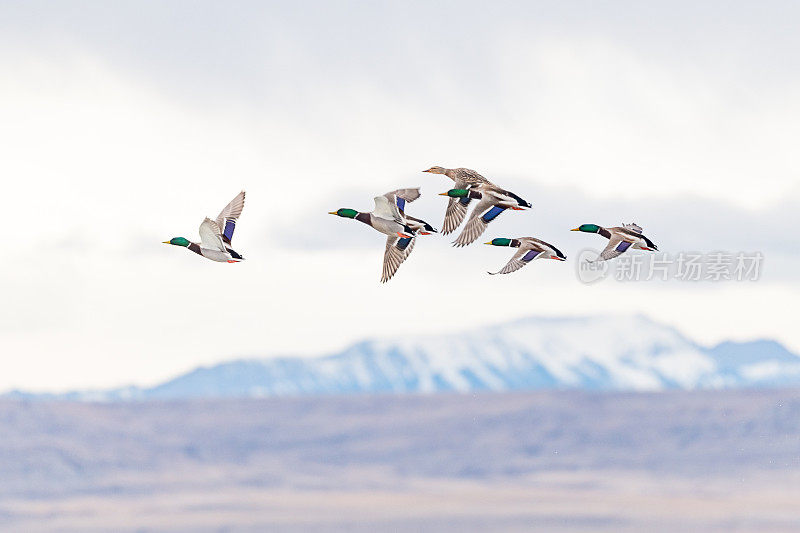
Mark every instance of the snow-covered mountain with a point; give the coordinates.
(601, 353)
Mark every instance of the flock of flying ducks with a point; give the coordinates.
(390, 218)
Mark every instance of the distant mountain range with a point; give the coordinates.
(623, 353)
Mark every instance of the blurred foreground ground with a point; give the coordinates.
(555, 461)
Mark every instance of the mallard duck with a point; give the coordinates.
(529, 249)
(620, 238)
(457, 207)
(389, 218)
(216, 235)
(493, 201)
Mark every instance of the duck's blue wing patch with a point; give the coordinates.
(230, 225)
(624, 245)
(401, 203)
(530, 256)
(492, 213)
(465, 200)
(402, 244)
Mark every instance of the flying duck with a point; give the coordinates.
(389, 218)
(493, 201)
(216, 235)
(620, 238)
(529, 249)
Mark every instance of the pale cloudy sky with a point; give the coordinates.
(124, 124)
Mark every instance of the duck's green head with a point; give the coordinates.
(178, 241)
(455, 193)
(346, 213)
(588, 228)
(499, 242)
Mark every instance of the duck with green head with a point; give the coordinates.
(216, 235)
(620, 238)
(530, 248)
(389, 217)
(492, 202)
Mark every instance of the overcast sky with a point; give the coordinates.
(124, 124)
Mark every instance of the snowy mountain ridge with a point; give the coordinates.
(626, 353)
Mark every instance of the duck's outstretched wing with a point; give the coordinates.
(402, 196)
(386, 208)
(211, 236)
(454, 215)
(226, 220)
(520, 259)
(484, 212)
(616, 246)
(397, 250)
(456, 210)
